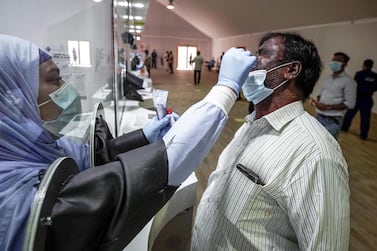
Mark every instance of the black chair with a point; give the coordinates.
(40, 213)
(132, 83)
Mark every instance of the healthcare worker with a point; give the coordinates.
(104, 207)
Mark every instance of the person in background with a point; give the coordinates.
(170, 60)
(338, 94)
(167, 60)
(135, 62)
(198, 61)
(103, 207)
(366, 81)
(282, 182)
(148, 62)
(162, 58)
(211, 63)
(154, 59)
(221, 58)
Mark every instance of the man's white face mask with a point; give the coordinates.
(254, 89)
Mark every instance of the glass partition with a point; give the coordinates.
(79, 36)
(91, 41)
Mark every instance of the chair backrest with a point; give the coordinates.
(97, 112)
(40, 213)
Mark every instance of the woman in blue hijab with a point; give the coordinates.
(33, 101)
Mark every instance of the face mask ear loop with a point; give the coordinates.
(282, 65)
(277, 67)
(45, 102)
(280, 85)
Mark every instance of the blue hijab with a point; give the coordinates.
(25, 146)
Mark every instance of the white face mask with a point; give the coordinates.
(254, 89)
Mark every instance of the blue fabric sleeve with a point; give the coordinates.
(75, 150)
(191, 138)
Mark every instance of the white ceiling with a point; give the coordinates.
(224, 18)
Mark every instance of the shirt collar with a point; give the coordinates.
(279, 118)
(342, 74)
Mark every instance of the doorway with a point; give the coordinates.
(184, 54)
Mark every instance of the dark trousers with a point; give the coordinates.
(197, 74)
(154, 63)
(171, 68)
(364, 105)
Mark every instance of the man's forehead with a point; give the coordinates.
(272, 48)
(274, 43)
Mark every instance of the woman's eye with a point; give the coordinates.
(56, 81)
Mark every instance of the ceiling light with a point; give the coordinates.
(138, 5)
(132, 17)
(170, 6)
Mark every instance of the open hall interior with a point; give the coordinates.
(102, 31)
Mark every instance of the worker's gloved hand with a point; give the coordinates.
(156, 129)
(235, 67)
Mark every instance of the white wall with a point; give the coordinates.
(358, 40)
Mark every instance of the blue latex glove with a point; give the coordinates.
(156, 129)
(235, 67)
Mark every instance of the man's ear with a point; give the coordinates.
(293, 70)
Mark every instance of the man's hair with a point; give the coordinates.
(304, 51)
(368, 63)
(342, 54)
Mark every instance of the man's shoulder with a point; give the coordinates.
(346, 78)
(373, 74)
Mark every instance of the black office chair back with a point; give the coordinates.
(40, 213)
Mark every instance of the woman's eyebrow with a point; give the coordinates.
(53, 69)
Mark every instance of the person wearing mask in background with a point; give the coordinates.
(282, 182)
(104, 207)
(198, 61)
(366, 81)
(338, 94)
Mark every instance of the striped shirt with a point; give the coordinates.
(304, 202)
